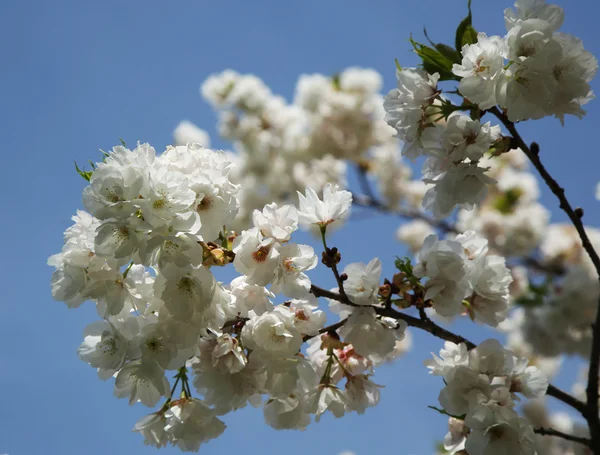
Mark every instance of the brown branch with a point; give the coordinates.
(429, 326)
(444, 226)
(591, 411)
(559, 434)
(331, 328)
(403, 212)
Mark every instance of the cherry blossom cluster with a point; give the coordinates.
(530, 73)
(157, 229)
(511, 216)
(144, 254)
(463, 278)
(481, 392)
(283, 147)
(555, 326)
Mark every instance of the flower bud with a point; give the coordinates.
(385, 290)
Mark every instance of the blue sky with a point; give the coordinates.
(77, 75)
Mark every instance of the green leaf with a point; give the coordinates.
(87, 175)
(507, 202)
(398, 67)
(404, 265)
(445, 50)
(122, 142)
(335, 81)
(469, 36)
(448, 52)
(535, 295)
(434, 61)
(465, 33)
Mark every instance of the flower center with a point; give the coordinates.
(159, 204)
(205, 204)
(261, 254)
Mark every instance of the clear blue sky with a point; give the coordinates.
(77, 75)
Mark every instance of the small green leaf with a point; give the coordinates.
(465, 33)
(122, 142)
(535, 295)
(507, 202)
(398, 67)
(469, 36)
(87, 175)
(448, 52)
(335, 81)
(434, 61)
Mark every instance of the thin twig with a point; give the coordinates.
(331, 328)
(444, 226)
(559, 434)
(532, 152)
(439, 332)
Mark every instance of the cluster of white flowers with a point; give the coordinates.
(510, 217)
(155, 228)
(283, 147)
(463, 278)
(480, 394)
(453, 147)
(532, 72)
(557, 326)
(144, 254)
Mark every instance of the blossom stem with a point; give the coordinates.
(591, 409)
(333, 264)
(559, 434)
(330, 328)
(368, 200)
